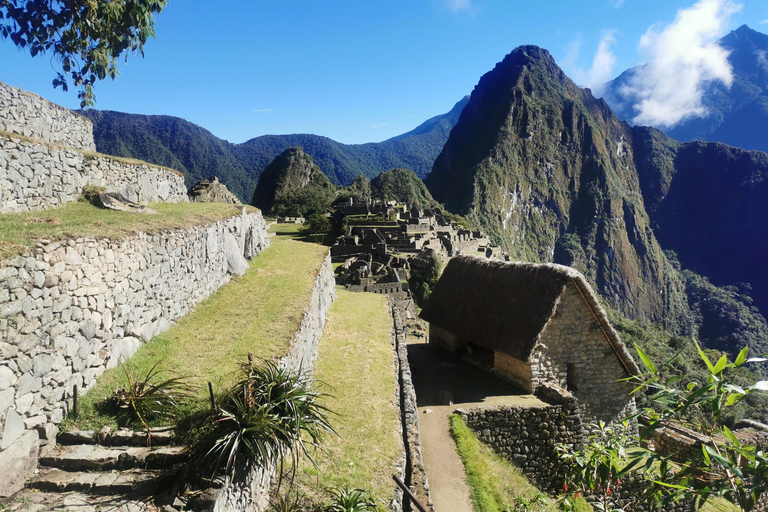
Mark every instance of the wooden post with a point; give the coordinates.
(213, 401)
(408, 493)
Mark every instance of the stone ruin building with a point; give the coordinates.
(533, 325)
(377, 254)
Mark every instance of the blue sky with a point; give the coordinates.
(357, 70)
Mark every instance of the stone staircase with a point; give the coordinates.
(116, 471)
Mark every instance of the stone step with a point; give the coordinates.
(117, 483)
(34, 500)
(159, 436)
(87, 457)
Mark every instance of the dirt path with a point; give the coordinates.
(434, 370)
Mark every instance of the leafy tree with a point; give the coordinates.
(86, 37)
(424, 275)
(318, 223)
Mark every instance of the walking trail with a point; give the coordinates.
(434, 370)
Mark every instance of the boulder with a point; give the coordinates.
(19, 462)
(237, 265)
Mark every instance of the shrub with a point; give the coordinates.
(269, 413)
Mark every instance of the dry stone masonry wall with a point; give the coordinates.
(34, 176)
(250, 491)
(53, 157)
(574, 353)
(70, 310)
(32, 116)
(527, 436)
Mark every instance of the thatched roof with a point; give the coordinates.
(505, 306)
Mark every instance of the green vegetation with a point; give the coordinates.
(268, 415)
(85, 39)
(317, 223)
(177, 143)
(292, 185)
(494, 482)
(258, 312)
(725, 469)
(356, 363)
(403, 186)
(424, 276)
(20, 231)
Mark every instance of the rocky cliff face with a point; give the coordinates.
(707, 203)
(549, 172)
(293, 185)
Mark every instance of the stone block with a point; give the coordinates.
(13, 430)
(19, 462)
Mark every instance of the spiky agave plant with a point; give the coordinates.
(267, 415)
(350, 500)
(153, 395)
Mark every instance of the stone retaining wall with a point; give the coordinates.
(35, 175)
(70, 310)
(528, 436)
(414, 475)
(32, 116)
(250, 492)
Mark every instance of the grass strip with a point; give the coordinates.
(494, 482)
(258, 312)
(80, 219)
(356, 361)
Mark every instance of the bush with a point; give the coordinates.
(268, 414)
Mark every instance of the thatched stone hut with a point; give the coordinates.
(536, 324)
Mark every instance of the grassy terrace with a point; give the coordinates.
(20, 231)
(258, 312)
(357, 361)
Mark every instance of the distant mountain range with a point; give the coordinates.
(193, 150)
(549, 171)
(738, 115)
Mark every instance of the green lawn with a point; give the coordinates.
(494, 482)
(357, 362)
(20, 231)
(258, 312)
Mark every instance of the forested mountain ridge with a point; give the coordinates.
(736, 115)
(553, 175)
(177, 143)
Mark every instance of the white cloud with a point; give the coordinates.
(616, 3)
(764, 22)
(684, 58)
(602, 63)
(377, 126)
(263, 110)
(456, 6)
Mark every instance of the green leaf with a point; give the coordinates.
(646, 360)
(720, 365)
(704, 358)
(706, 455)
(742, 357)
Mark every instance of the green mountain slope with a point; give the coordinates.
(550, 173)
(736, 115)
(403, 186)
(547, 170)
(177, 143)
(292, 185)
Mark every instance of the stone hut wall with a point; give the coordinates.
(251, 491)
(528, 436)
(574, 342)
(32, 116)
(69, 310)
(36, 175)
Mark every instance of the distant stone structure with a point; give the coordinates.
(533, 324)
(211, 191)
(47, 157)
(378, 254)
